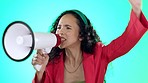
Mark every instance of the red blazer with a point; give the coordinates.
(95, 64)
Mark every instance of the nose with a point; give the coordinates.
(60, 31)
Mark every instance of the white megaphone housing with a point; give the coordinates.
(19, 41)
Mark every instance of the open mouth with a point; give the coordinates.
(62, 39)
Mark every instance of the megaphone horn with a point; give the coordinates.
(19, 41)
(12, 39)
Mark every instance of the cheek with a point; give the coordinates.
(57, 32)
(73, 37)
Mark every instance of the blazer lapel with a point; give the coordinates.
(88, 65)
(59, 70)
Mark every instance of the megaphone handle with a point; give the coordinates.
(38, 67)
(44, 50)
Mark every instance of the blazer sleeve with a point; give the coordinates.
(143, 21)
(35, 78)
(45, 79)
(47, 76)
(124, 43)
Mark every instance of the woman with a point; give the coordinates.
(81, 57)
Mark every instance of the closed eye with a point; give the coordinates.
(68, 26)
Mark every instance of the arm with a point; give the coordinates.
(134, 31)
(35, 80)
(136, 6)
(143, 20)
(41, 59)
(127, 40)
(45, 78)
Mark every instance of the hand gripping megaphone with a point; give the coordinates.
(19, 41)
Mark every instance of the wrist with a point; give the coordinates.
(39, 76)
(137, 12)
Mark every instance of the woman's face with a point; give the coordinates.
(68, 30)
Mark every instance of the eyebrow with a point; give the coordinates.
(67, 25)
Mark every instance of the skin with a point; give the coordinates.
(69, 32)
(136, 6)
(68, 29)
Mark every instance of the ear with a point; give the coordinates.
(80, 39)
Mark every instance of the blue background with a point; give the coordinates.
(109, 17)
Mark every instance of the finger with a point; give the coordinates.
(34, 59)
(40, 56)
(34, 62)
(35, 55)
(39, 61)
(46, 57)
(40, 52)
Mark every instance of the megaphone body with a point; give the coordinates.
(19, 41)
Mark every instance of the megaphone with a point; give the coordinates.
(19, 41)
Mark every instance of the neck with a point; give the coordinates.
(73, 55)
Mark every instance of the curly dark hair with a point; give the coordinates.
(87, 33)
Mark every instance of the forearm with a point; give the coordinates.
(136, 6)
(39, 76)
(127, 40)
(137, 12)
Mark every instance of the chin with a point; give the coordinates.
(61, 46)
